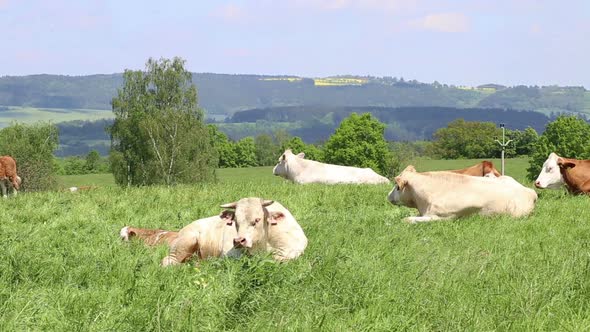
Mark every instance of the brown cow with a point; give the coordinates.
(485, 168)
(556, 171)
(8, 175)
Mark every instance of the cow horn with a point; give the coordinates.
(267, 202)
(229, 205)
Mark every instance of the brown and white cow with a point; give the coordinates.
(256, 225)
(296, 168)
(8, 175)
(557, 171)
(485, 168)
(445, 195)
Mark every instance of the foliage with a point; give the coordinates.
(158, 136)
(297, 145)
(64, 269)
(359, 142)
(32, 146)
(404, 154)
(568, 136)
(523, 141)
(465, 139)
(245, 151)
(223, 147)
(267, 151)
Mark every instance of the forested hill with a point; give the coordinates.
(225, 94)
(317, 123)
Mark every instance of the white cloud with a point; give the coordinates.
(356, 4)
(443, 22)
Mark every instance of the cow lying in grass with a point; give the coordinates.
(557, 171)
(8, 176)
(299, 170)
(252, 225)
(446, 195)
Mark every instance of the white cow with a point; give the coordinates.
(297, 169)
(267, 226)
(445, 195)
(256, 225)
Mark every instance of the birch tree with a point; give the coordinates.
(159, 135)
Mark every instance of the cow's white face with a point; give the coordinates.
(550, 176)
(282, 167)
(250, 217)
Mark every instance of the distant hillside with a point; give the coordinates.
(223, 95)
(315, 124)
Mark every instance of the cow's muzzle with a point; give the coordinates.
(239, 242)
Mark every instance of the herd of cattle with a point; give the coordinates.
(253, 225)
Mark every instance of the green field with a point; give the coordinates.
(31, 115)
(64, 268)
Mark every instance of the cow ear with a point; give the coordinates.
(565, 163)
(276, 217)
(229, 205)
(401, 183)
(227, 216)
(267, 202)
(301, 155)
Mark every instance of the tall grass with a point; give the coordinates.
(64, 268)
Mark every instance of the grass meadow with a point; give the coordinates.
(32, 115)
(64, 268)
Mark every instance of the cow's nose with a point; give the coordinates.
(239, 241)
(538, 184)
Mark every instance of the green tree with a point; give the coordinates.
(223, 147)
(524, 141)
(359, 141)
(568, 136)
(267, 151)
(158, 136)
(465, 139)
(92, 161)
(75, 166)
(245, 152)
(32, 146)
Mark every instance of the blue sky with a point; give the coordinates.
(455, 41)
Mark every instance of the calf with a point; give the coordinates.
(299, 170)
(445, 195)
(8, 175)
(557, 171)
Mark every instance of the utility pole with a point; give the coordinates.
(503, 144)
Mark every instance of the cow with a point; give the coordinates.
(300, 170)
(9, 176)
(485, 168)
(557, 171)
(252, 225)
(267, 226)
(446, 195)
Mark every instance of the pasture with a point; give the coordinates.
(32, 115)
(63, 266)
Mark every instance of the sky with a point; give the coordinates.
(461, 42)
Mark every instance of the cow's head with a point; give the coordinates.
(550, 176)
(18, 182)
(250, 217)
(400, 194)
(282, 167)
